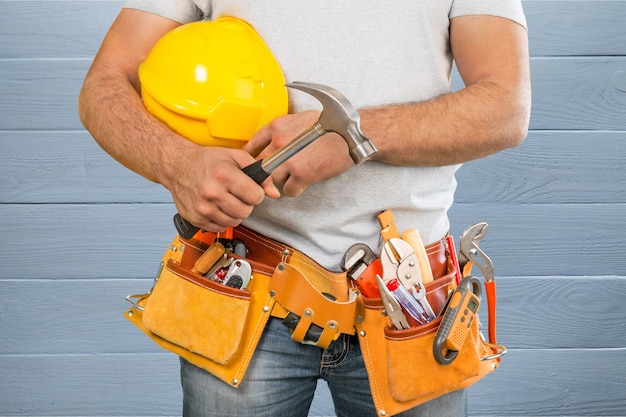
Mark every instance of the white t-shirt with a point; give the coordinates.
(374, 53)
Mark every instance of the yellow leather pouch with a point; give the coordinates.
(213, 326)
(400, 363)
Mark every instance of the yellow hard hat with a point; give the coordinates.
(213, 82)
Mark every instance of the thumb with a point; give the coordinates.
(270, 189)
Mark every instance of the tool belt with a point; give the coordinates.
(217, 327)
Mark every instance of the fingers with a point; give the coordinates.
(259, 141)
(213, 193)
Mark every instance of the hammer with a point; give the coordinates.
(338, 115)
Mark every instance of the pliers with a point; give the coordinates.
(470, 254)
(392, 306)
(400, 261)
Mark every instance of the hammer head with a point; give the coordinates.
(339, 116)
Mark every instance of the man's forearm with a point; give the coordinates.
(468, 124)
(112, 111)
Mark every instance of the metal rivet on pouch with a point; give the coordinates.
(411, 264)
(130, 313)
(173, 248)
(307, 313)
(362, 333)
(266, 309)
(382, 413)
(272, 293)
(359, 319)
(286, 252)
(235, 381)
(332, 325)
(182, 248)
(281, 267)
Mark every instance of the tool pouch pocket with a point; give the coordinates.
(213, 326)
(400, 363)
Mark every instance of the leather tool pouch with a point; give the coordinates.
(400, 363)
(213, 326)
(217, 328)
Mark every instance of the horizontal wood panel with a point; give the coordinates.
(559, 382)
(76, 28)
(568, 93)
(578, 93)
(85, 241)
(86, 316)
(570, 28)
(529, 383)
(41, 94)
(549, 167)
(90, 385)
(549, 239)
(67, 167)
(575, 93)
(64, 28)
(128, 240)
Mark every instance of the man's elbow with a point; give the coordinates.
(82, 105)
(517, 123)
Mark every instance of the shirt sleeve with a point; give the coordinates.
(510, 9)
(182, 11)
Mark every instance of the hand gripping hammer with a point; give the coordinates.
(338, 115)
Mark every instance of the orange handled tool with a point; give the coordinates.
(490, 291)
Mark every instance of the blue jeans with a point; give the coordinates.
(282, 379)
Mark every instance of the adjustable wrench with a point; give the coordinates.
(471, 254)
(362, 266)
(470, 239)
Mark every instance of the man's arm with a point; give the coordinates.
(206, 183)
(490, 114)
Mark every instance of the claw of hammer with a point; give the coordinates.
(339, 116)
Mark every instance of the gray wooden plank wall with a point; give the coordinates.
(79, 232)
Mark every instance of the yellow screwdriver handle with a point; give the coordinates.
(208, 258)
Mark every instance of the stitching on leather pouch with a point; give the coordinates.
(262, 240)
(249, 350)
(413, 335)
(368, 359)
(216, 290)
(190, 244)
